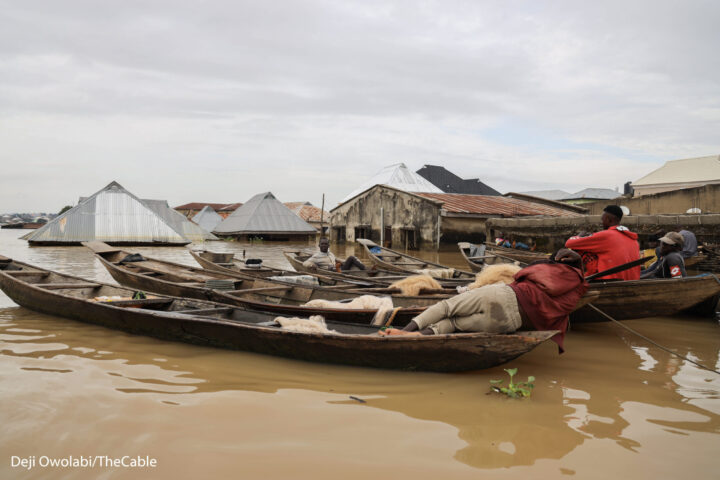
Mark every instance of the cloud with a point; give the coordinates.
(220, 100)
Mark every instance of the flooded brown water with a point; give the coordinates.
(610, 407)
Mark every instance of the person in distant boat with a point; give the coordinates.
(671, 263)
(325, 260)
(690, 244)
(542, 295)
(613, 246)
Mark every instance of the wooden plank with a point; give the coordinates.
(261, 289)
(61, 286)
(205, 311)
(138, 302)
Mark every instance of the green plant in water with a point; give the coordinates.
(514, 390)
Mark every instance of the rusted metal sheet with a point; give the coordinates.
(494, 205)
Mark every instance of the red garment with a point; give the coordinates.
(547, 293)
(614, 246)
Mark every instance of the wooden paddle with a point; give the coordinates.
(619, 268)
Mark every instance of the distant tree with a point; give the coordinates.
(65, 209)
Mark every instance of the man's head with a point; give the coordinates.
(324, 244)
(671, 242)
(612, 214)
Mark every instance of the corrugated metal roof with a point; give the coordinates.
(699, 169)
(548, 194)
(494, 205)
(263, 213)
(111, 215)
(179, 222)
(200, 206)
(207, 218)
(307, 211)
(594, 193)
(448, 182)
(397, 176)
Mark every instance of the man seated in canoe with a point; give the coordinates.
(542, 295)
(325, 260)
(671, 263)
(613, 246)
(690, 243)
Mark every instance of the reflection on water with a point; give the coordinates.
(71, 388)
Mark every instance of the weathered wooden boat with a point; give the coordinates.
(227, 263)
(625, 300)
(168, 278)
(393, 260)
(523, 256)
(217, 325)
(477, 262)
(377, 276)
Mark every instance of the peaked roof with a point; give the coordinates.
(111, 215)
(214, 206)
(548, 194)
(207, 218)
(698, 169)
(396, 176)
(263, 213)
(307, 211)
(594, 193)
(179, 222)
(448, 182)
(494, 205)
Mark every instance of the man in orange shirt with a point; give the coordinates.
(613, 246)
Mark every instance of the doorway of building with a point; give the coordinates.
(388, 237)
(409, 239)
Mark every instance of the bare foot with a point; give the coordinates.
(394, 331)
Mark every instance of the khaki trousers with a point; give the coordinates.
(492, 309)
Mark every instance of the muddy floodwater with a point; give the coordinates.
(612, 406)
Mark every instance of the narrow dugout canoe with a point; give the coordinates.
(212, 324)
(476, 263)
(393, 260)
(625, 300)
(168, 278)
(377, 277)
(227, 263)
(524, 256)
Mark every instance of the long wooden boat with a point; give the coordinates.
(476, 263)
(227, 263)
(624, 300)
(524, 256)
(378, 276)
(401, 262)
(168, 278)
(217, 325)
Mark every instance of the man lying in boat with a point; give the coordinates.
(325, 260)
(613, 246)
(542, 295)
(671, 263)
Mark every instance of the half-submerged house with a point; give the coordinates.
(114, 216)
(263, 216)
(207, 218)
(401, 219)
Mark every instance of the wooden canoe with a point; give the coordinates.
(393, 260)
(217, 325)
(625, 300)
(168, 278)
(227, 263)
(378, 277)
(477, 263)
(523, 256)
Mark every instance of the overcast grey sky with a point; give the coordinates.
(217, 101)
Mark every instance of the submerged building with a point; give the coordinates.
(265, 217)
(401, 219)
(112, 215)
(207, 218)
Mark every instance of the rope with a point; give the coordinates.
(651, 341)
